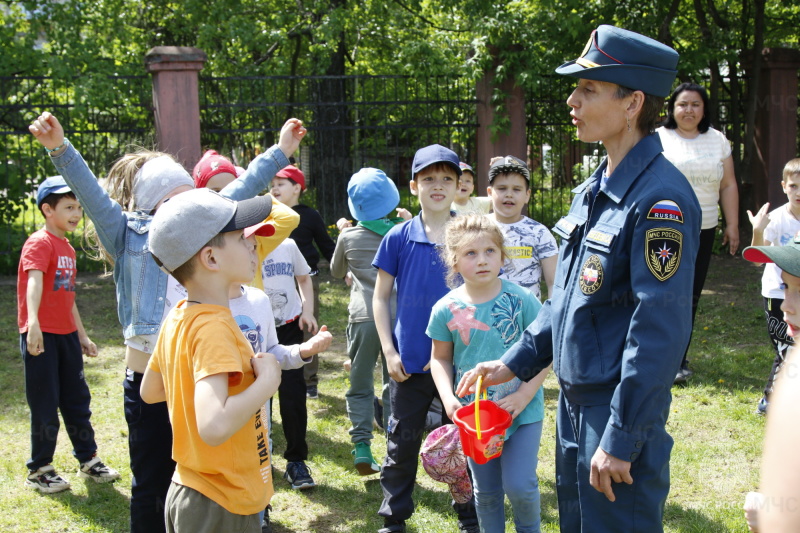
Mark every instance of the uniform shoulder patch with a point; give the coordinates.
(663, 248)
(665, 210)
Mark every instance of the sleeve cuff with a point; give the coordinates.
(622, 444)
(277, 154)
(296, 355)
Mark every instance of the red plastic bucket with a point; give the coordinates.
(482, 426)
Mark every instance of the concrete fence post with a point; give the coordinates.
(514, 142)
(176, 100)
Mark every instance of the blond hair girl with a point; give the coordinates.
(475, 322)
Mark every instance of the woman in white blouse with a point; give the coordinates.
(703, 155)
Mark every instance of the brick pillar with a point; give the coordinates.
(512, 143)
(776, 123)
(176, 100)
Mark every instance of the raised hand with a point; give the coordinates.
(292, 133)
(47, 130)
(760, 220)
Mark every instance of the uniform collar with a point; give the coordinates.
(627, 171)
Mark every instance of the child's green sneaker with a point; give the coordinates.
(362, 458)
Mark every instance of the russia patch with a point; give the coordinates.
(591, 275)
(666, 210)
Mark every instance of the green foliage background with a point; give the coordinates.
(94, 53)
(65, 38)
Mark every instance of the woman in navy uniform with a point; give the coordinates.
(619, 318)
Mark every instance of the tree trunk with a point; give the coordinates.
(752, 91)
(331, 163)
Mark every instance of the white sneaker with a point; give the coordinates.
(96, 470)
(46, 480)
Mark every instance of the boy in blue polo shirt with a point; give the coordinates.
(408, 256)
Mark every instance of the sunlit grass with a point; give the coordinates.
(715, 460)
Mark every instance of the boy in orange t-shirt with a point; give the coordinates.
(205, 369)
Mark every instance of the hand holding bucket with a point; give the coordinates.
(482, 426)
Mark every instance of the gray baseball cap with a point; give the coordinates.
(185, 223)
(156, 179)
(787, 257)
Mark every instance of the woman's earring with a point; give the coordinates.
(628, 120)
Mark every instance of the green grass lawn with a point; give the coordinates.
(714, 463)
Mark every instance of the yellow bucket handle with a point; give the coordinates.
(478, 390)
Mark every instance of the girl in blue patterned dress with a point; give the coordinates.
(478, 321)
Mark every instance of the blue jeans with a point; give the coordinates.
(512, 474)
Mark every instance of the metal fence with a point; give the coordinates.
(353, 122)
(553, 149)
(102, 130)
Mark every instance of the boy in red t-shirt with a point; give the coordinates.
(53, 341)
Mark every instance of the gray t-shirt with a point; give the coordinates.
(355, 251)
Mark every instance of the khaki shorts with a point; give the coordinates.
(188, 511)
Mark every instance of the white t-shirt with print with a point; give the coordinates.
(252, 311)
(700, 160)
(278, 273)
(527, 242)
(780, 231)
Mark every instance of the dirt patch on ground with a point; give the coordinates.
(731, 278)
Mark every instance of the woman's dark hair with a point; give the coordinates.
(705, 122)
(651, 109)
(53, 199)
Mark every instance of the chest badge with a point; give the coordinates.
(591, 275)
(662, 250)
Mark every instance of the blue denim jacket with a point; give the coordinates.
(142, 286)
(620, 315)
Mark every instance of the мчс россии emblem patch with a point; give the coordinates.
(662, 251)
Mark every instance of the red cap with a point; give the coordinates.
(209, 166)
(293, 173)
